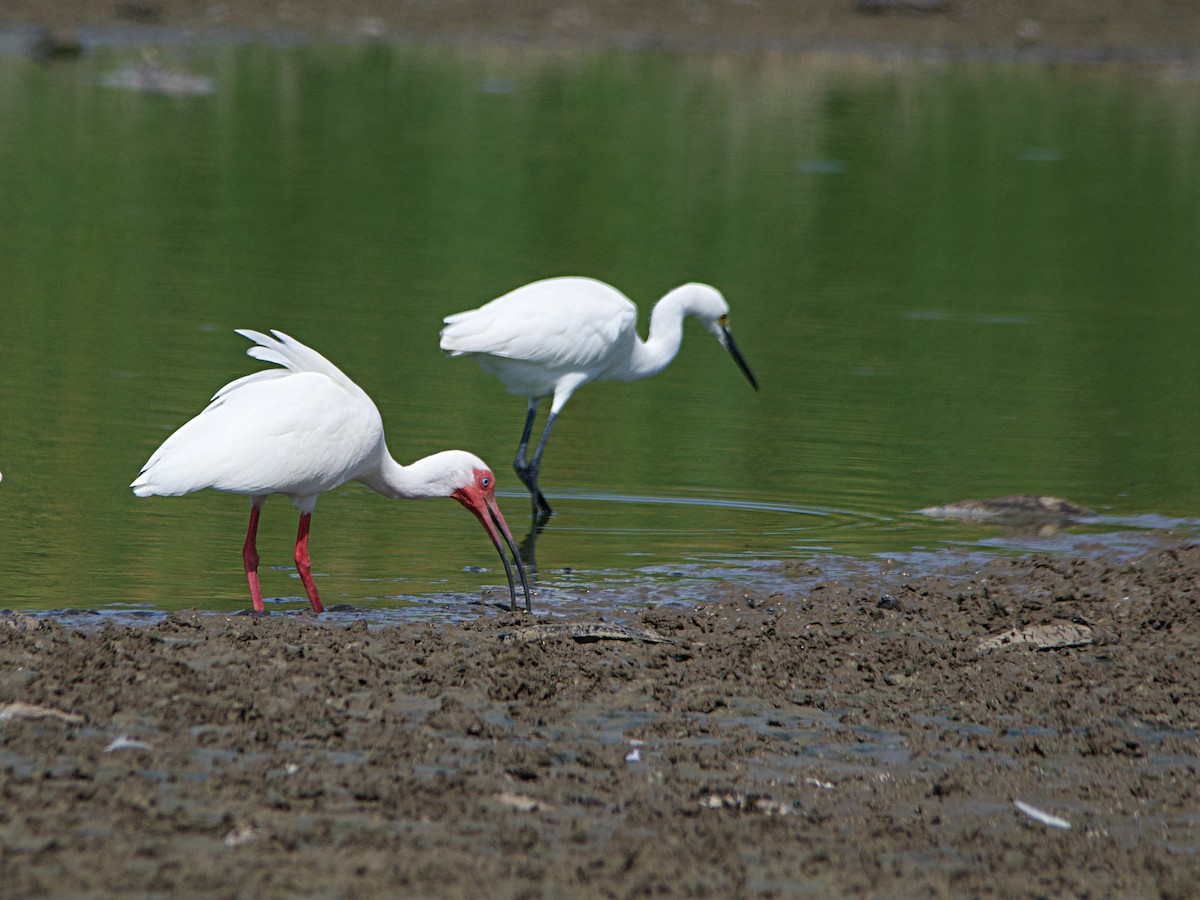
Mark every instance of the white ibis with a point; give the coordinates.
(551, 337)
(300, 431)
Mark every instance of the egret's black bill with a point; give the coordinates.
(739, 359)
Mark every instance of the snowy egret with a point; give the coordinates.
(551, 337)
(301, 431)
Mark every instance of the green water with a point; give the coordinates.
(952, 281)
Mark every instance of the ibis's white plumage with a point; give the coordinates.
(298, 431)
(301, 430)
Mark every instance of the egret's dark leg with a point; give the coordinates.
(535, 466)
(304, 563)
(520, 465)
(527, 469)
(250, 553)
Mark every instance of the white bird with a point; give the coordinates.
(551, 337)
(300, 431)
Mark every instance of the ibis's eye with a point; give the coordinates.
(485, 481)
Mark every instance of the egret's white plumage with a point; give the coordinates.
(551, 337)
(301, 430)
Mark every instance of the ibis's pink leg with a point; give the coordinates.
(304, 563)
(250, 556)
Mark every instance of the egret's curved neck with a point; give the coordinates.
(666, 334)
(416, 481)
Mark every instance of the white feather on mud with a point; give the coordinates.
(1044, 817)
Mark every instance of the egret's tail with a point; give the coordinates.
(460, 336)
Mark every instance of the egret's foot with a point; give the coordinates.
(526, 474)
(529, 475)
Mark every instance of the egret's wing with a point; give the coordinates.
(557, 323)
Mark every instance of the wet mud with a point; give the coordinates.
(862, 734)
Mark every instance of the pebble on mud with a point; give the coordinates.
(1051, 636)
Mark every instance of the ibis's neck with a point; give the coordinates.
(666, 334)
(417, 481)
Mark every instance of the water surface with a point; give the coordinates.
(952, 280)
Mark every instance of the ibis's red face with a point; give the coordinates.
(479, 496)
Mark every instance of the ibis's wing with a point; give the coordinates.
(301, 429)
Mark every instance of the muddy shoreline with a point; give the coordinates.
(851, 736)
(1055, 30)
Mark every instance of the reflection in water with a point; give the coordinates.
(353, 195)
(151, 76)
(528, 544)
(1018, 514)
